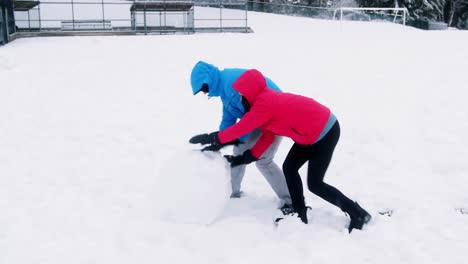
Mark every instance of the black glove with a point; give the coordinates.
(213, 147)
(245, 158)
(205, 139)
(217, 147)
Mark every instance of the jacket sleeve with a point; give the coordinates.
(249, 122)
(227, 120)
(263, 143)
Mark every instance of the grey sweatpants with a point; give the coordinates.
(266, 165)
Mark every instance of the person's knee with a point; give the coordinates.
(289, 167)
(264, 163)
(315, 186)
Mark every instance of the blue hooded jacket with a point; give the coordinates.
(220, 84)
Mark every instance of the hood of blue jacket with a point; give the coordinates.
(207, 73)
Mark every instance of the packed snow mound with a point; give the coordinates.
(193, 191)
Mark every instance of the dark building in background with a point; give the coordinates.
(7, 20)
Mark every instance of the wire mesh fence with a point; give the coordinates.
(323, 9)
(168, 16)
(131, 16)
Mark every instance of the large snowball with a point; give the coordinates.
(193, 187)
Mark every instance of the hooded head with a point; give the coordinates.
(205, 73)
(250, 84)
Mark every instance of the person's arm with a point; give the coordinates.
(255, 153)
(248, 123)
(219, 139)
(227, 120)
(263, 143)
(230, 119)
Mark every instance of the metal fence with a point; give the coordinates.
(132, 17)
(316, 8)
(323, 9)
(101, 17)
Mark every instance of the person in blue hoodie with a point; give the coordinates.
(214, 82)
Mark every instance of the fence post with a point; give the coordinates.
(164, 29)
(221, 15)
(103, 16)
(144, 16)
(73, 15)
(29, 20)
(404, 16)
(3, 39)
(39, 17)
(246, 14)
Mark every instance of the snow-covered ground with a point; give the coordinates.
(95, 165)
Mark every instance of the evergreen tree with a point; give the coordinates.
(456, 13)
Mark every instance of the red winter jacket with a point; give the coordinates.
(297, 117)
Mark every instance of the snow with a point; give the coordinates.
(202, 203)
(95, 165)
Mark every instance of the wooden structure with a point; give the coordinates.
(162, 16)
(27, 15)
(131, 17)
(85, 25)
(22, 5)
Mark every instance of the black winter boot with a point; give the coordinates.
(359, 217)
(289, 211)
(302, 214)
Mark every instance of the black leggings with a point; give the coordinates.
(319, 155)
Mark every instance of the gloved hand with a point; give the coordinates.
(220, 146)
(214, 147)
(245, 158)
(205, 139)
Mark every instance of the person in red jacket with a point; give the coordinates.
(314, 130)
